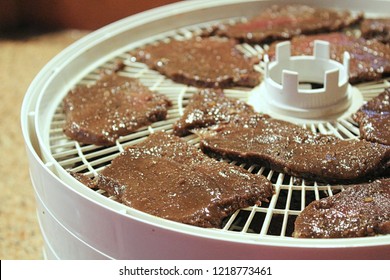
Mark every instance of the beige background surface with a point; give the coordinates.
(21, 58)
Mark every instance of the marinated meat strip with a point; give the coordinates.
(374, 119)
(114, 106)
(358, 211)
(290, 149)
(209, 107)
(376, 28)
(84, 179)
(370, 60)
(166, 177)
(201, 62)
(280, 22)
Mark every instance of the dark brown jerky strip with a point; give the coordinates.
(201, 62)
(280, 22)
(84, 179)
(358, 211)
(209, 107)
(166, 177)
(290, 149)
(376, 28)
(373, 119)
(114, 106)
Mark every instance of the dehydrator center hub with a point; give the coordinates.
(82, 223)
(281, 86)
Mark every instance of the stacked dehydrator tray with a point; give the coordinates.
(80, 223)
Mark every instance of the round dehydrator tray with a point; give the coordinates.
(80, 223)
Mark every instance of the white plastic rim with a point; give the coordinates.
(93, 218)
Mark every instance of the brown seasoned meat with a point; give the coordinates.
(84, 179)
(166, 177)
(370, 60)
(209, 107)
(358, 211)
(374, 119)
(376, 28)
(280, 22)
(202, 62)
(290, 149)
(114, 106)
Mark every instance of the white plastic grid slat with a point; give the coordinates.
(348, 128)
(336, 130)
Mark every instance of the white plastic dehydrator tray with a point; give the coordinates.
(80, 223)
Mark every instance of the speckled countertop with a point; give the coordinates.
(21, 58)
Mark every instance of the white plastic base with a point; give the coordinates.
(59, 242)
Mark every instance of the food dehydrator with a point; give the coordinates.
(81, 223)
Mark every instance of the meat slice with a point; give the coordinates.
(358, 211)
(209, 107)
(290, 149)
(370, 60)
(201, 62)
(114, 106)
(166, 177)
(280, 22)
(84, 179)
(374, 119)
(376, 28)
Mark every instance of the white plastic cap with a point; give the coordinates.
(284, 75)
